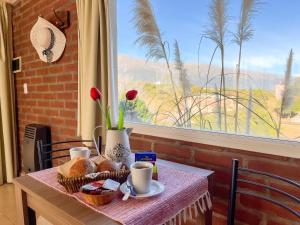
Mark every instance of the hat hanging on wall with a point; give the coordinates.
(48, 40)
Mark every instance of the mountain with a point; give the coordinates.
(138, 69)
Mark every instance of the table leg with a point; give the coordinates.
(25, 215)
(208, 217)
(31, 216)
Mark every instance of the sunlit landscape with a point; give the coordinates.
(217, 74)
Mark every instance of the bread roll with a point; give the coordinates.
(99, 159)
(108, 165)
(77, 167)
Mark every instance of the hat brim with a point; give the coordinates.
(60, 39)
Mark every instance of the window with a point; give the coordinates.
(212, 66)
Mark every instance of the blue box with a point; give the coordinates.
(145, 156)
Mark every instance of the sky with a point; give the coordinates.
(276, 30)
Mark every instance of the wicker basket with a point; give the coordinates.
(75, 183)
(101, 199)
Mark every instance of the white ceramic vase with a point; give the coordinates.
(117, 146)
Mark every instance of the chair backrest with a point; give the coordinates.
(47, 152)
(234, 190)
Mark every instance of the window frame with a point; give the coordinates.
(263, 145)
(271, 146)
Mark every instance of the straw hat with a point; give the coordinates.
(48, 40)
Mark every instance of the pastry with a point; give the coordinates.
(99, 159)
(108, 165)
(77, 167)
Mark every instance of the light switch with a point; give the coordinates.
(25, 88)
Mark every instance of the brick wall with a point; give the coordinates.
(52, 97)
(52, 100)
(249, 210)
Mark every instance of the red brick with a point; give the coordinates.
(43, 119)
(68, 114)
(252, 187)
(56, 87)
(43, 103)
(247, 218)
(63, 78)
(217, 220)
(220, 207)
(31, 118)
(138, 144)
(30, 103)
(38, 110)
(70, 67)
(71, 86)
(57, 121)
(221, 191)
(71, 105)
(293, 190)
(64, 95)
(267, 207)
(173, 150)
(55, 69)
(50, 79)
(35, 80)
(274, 222)
(42, 88)
(67, 132)
(71, 123)
(42, 71)
(57, 104)
(286, 170)
(51, 112)
(222, 177)
(218, 159)
(48, 96)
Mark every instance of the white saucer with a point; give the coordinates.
(156, 188)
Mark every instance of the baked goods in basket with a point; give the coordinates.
(103, 164)
(80, 171)
(108, 165)
(77, 167)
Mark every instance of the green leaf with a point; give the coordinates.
(121, 119)
(108, 120)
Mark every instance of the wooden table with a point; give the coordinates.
(34, 197)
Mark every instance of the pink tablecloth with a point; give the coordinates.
(185, 193)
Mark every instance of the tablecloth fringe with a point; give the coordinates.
(200, 206)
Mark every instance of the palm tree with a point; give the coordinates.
(216, 32)
(244, 33)
(286, 96)
(184, 81)
(149, 36)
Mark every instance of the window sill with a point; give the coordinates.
(254, 144)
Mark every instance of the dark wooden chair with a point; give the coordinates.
(234, 190)
(48, 152)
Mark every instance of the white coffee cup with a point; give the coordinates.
(141, 173)
(80, 152)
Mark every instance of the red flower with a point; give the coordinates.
(131, 95)
(95, 94)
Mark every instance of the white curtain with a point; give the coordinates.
(96, 66)
(8, 143)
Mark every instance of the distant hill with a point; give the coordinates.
(138, 69)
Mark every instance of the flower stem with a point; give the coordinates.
(102, 111)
